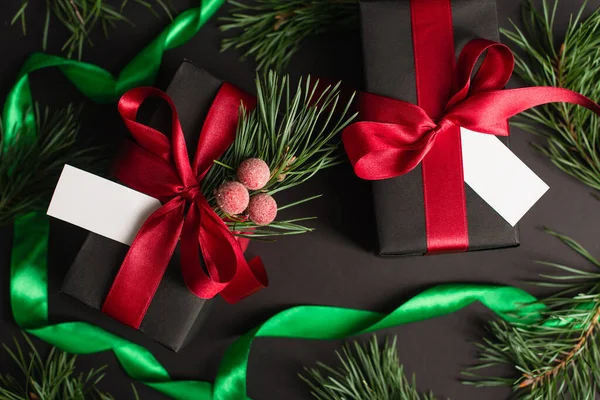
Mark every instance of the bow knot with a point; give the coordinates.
(212, 259)
(443, 125)
(190, 193)
(395, 135)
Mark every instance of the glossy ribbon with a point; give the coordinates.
(160, 167)
(95, 82)
(29, 296)
(29, 269)
(444, 199)
(396, 135)
(399, 134)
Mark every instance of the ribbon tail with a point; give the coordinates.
(251, 277)
(247, 278)
(486, 111)
(205, 284)
(144, 265)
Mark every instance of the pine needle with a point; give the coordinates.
(572, 133)
(53, 378)
(559, 356)
(367, 372)
(272, 31)
(80, 18)
(296, 132)
(29, 169)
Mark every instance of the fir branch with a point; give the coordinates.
(366, 373)
(572, 133)
(559, 356)
(295, 132)
(80, 17)
(272, 31)
(30, 167)
(53, 378)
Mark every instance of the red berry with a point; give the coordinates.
(232, 197)
(262, 209)
(253, 173)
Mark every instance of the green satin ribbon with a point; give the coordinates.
(30, 306)
(326, 323)
(29, 293)
(97, 83)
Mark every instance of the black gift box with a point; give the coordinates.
(175, 314)
(390, 72)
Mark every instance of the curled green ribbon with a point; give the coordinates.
(326, 323)
(28, 285)
(95, 82)
(30, 306)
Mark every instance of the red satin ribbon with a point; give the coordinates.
(397, 135)
(444, 196)
(160, 167)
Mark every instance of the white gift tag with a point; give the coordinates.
(498, 176)
(100, 206)
(117, 212)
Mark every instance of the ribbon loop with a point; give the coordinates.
(493, 74)
(395, 136)
(212, 259)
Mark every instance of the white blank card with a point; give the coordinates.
(498, 176)
(100, 206)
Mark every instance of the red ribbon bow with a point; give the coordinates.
(397, 135)
(160, 167)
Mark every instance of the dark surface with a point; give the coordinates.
(399, 202)
(335, 265)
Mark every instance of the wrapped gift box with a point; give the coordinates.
(390, 71)
(175, 314)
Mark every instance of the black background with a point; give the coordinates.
(335, 265)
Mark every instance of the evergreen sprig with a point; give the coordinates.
(367, 372)
(572, 132)
(296, 132)
(559, 356)
(30, 165)
(52, 378)
(80, 17)
(272, 31)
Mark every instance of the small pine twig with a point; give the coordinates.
(572, 134)
(531, 380)
(80, 18)
(77, 13)
(556, 357)
(296, 132)
(30, 167)
(367, 372)
(53, 378)
(272, 31)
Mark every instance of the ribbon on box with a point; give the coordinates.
(160, 167)
(395, 136)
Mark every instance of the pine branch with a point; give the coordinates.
(296, 133)
(558, 357)
(29, 169)
(80, 18)
(563, 362)
(272, 31)
(366, 373)
(53, 378)
(572, 133)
